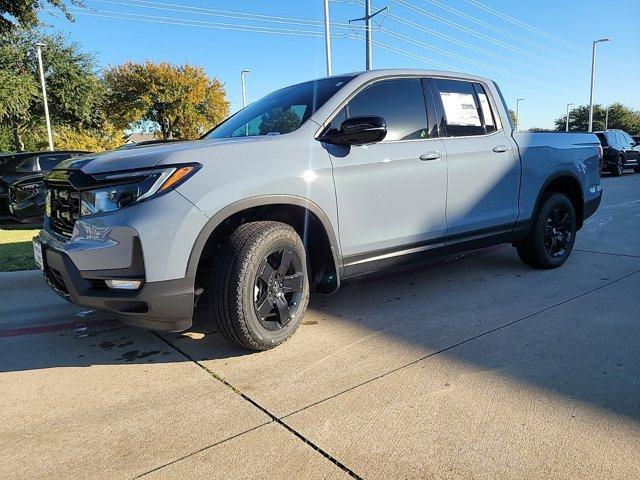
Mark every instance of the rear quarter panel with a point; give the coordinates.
(545, 156)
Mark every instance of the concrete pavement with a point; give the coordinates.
(473, 367)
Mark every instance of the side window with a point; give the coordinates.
(399, 101)
(489, 116)
(47, 162)
(29, 164)
(459, 102)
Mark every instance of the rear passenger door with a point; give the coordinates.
(482, 163)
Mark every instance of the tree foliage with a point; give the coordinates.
(74, 91)
(107, 137)
(620, 116)
(24, 13)
(181, 100)
(280, 121)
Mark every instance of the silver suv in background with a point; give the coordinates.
(312, 184)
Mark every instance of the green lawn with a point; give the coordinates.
(16, 251)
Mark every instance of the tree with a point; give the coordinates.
(107, 137)
(279, 121)
(512, 116)
(181, 100)
(74, 92)
(620, 116)
(25, 12)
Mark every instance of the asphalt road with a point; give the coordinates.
(473, 367)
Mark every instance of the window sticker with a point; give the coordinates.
(460, 109)
(486, 110)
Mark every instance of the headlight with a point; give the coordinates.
(126, 188)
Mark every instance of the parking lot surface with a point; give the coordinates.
(475, 366)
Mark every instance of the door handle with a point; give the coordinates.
(501, 149)
(431, 156)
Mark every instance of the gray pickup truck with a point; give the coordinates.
(312, 184)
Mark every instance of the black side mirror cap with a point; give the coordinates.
(357, 131)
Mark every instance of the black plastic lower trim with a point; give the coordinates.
(591, 206)
(166, 305)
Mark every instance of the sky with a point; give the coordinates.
(537, 50)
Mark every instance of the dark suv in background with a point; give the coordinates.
(620, 151)
(21, 187)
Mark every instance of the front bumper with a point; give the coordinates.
(165, 305)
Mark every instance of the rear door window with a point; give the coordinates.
(459, 103)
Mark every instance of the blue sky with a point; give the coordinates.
(537, 50)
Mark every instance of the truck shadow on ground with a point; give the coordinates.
(484, 309)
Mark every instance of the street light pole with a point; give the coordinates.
(327, 37)
(593, 78)
(606, 119)
(518, 112)
(568, 105)
(44, 94)
(244, 88)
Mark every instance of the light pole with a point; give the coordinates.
(244, 88)
(606, 119)
(39, 47)
(327, 37)
(518, 112)
(593, 78)
(568, 105)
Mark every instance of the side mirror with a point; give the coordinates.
(357, 131)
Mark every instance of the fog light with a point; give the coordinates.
(124, 284)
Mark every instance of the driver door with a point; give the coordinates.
(392, 194)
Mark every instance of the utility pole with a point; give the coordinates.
(606, 119)
(518, 112)
(44, 94)
(568, 105)
(367, 22)
(327, 37)
(593, 79)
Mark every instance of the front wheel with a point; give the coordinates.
(552, 235)
(618, 169)
(259, 286)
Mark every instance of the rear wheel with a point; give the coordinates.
(617, 169)
(259, 285)
(552, 235)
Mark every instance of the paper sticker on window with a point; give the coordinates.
(486, 111)
(460, 109)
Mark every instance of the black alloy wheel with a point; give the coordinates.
(278, 288)
(618, 169)
(558, 232)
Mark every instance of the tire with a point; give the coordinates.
(618, 169)
(250, 273)
(637, 169)
(539, 249)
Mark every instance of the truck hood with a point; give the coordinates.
(146, 156)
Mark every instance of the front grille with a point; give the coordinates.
(64, 207)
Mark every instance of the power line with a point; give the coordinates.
(524, 25)
(460, 57)
(171, 7)
(477, 21)
(467, 45)
(203, 24)
(469, 31)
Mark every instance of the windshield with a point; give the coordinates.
(280, 112)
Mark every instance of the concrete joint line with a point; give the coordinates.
(607, 253)
(275, 419)
(470, 339)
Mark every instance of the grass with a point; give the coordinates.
(16, 250)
